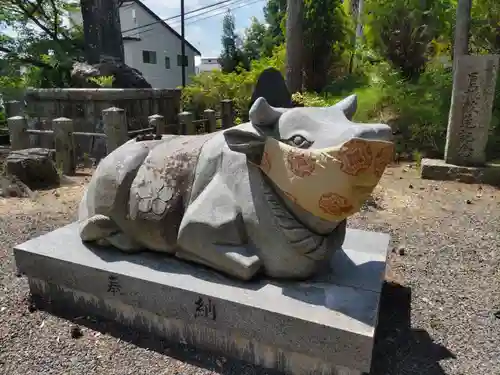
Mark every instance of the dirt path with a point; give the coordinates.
(437, 313)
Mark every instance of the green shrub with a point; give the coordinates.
(209, 88)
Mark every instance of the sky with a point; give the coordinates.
(206, 34)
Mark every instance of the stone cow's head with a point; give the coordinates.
(302, 128)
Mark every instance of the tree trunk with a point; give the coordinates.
(294, 42)
(102, 30)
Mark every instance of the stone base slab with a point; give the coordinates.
(325, 326)
(435, 169)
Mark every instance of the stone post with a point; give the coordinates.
(471, 109)
(115, 127)
(19, 138)
(158, 122)
(65, 145)
(227, 115)
(187, 125)
(14, 108)
(211, 120)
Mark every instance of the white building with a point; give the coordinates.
(208, 64)
(152, 46)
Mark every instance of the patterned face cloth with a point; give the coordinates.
(331, 183)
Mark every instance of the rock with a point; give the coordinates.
(76, 332)
(125, 76)
(271, 86)
(401, 250)
(31, 307)
(11, 186)
(34, 167)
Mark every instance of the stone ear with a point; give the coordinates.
(348, 105)
(263, 115)
(245, 142)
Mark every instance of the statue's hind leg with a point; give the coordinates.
(104, 232)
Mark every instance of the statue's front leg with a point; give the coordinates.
(104, 232)
(217, 240)
(235, 261)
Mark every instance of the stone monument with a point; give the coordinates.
(234, 241)
(468, 126)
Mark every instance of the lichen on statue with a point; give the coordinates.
(269, 197)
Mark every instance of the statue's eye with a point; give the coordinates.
(299, 141)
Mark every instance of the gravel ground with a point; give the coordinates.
(437, 312)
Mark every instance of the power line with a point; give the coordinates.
(235, 2)
(175, 24)
(178, 16)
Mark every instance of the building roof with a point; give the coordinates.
(160, 21)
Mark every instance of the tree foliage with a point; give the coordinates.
(408, 32)
(232, 55)
(257, 41)
(326, 37)
(274, 15)
(34, 38)
(485, 27)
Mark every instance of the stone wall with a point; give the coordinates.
(85, 106)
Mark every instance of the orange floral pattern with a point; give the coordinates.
(265, 163)
(334, 204)
(300, 164)
(355, 156)
(382, 159)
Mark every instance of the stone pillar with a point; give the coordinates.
(211, 120)
(158, 122)
(227, 115)
(115, 127)
(471, 109)
(65, 145)
(19, 138)
(14, 108)
(187, 125)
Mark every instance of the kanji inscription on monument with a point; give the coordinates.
(114, 286)
(471, 109)
(205, 309)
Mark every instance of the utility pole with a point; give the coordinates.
(294, 48)
(183, 46)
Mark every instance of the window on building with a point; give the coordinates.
(167, 62)
(149, 57)
(179, 60)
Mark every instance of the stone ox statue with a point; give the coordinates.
(269, 196)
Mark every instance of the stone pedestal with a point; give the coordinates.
(471, 110)
(325, 326)
(433, 169)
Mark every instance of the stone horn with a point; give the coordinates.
(263, 114)
(348, 105)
